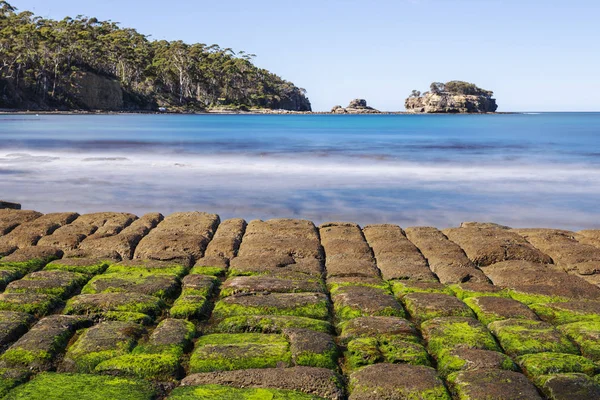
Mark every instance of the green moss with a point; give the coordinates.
(586, 335)
(520, 337)
(210, 392)
(390, 349)
(124, 316)
(42, 306)
(488, 317)
(319, 310)
(225, 352)
(24, 358)
(345, 313)
(48, 386)
(208, 270)
(445, 334)
(87, 270)
(175, 269)
(402, 288)
(155, 366)
(529, 298)
(449, 362)
(7, 276)
(554, 363)
(123, 282)
(327, 359)
(190, 307)
(25, 267)
(362, 352)
(61, 289)
(85, 359)
(138, 305)
(270, 324)
(463, 293)
(555, 315)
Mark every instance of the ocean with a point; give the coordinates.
(521, 170)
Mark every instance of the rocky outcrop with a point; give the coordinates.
(356, 106)
(97, 92)
(454, 97)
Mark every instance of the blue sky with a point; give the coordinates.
(536, 55)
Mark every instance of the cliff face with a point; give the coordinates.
(449, 103)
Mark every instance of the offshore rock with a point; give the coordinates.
(356, 106)
(455, 97)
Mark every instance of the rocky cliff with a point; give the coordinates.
(454, 97)
(356, 106)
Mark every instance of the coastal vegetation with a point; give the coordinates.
(47, 64)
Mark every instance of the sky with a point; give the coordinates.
(536, 55)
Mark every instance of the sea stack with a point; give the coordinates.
(456, 97)
(356, 106)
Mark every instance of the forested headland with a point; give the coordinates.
(85, 63)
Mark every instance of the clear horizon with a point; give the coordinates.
(534, 55)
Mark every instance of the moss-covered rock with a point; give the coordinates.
(519, 337)
(396, 381)
(49, 385)
(148, 267)
(208, 270)
(483, 384)
(37, 304)
(224, 352)
(571, 386)
(472, 289)
(310, 305)
(312, 349)
(400, 288)
(127, 302)
(156, 359)
(554, 363)
(424, 306)
(56, 283)
(85, 266)
(12, 325)
(530, 297)
(449, 332)
(358, 301)
(270, 324)
(100, 343)
(378, 327)
(190, 307)
(210, 392)
(586, 335)
(567, 312)
(124, 316)
(12, 377)
(468, 359)
(37, 349)
(281, 283)
(387, 349)
(161, 285)
(490, 309)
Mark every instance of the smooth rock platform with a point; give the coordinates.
(115, 306)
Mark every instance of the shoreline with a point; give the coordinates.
(257, 112)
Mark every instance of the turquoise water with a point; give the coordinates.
(517, 169)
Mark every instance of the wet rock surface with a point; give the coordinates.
(200, 307)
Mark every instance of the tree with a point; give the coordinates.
(437, 87)
(415, 93)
